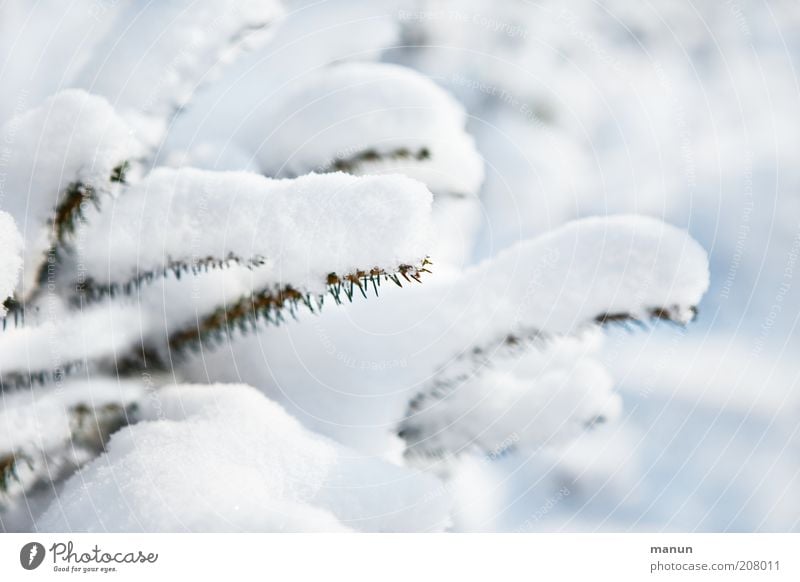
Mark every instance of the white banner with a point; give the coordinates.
(395, 557)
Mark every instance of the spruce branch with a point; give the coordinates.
(163, 209)
(269, 305)
(9, 464)
(66, 217)
(90, 429)
(364, 118)
(14, 312)
(90, 290)
(475, 361)
(120, 172)
(14, 380)
(29, 356)
(676, 314)
(72, 209)
(93, 426)
(353, 164)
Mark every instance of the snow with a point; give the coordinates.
(224, 458)
(731, 375)
(212, 155)
(325, 223)
(186, 44)
(72, 137)
(538, 177)
(342, 112)
(10, 258)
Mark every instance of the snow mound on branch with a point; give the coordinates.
(167, 49)
(72, 137)
(542, 397)
(10, 258)
(224, 458)
(370, 118)
(589, 268)
(326, 223)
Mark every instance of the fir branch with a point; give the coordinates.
(66, 217)
(250, 29)
(29, 357)
(9, 465)
(352, 164)
(269, 305)
(90, 429)
(120, 172)
(472, 363)
(14, 310)
(71, 211)
(18, 379)
(463, 367)
(91, 291)
(677, 314)
(134, 362)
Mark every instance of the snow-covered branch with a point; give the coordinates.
(286, 243)
(63, 156)
(269, 304)
(590, 272)
(48, 349)
(296, 232)
(517, 397)
(45, 435)
(370, 118)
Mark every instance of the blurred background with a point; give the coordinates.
(687, 111)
